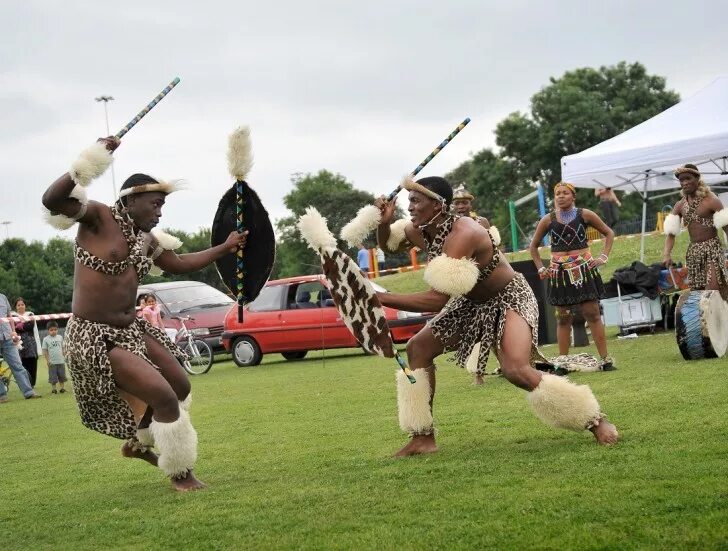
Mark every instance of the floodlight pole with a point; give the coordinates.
(644, 217)
(106, 100)
(6, 223)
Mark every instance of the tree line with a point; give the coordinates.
(580, 109)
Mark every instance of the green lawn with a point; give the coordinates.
(297, 455)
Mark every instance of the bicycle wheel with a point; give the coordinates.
(199, 357)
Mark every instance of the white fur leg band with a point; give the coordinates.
(396, 235)
(451, 276)
(720, 218)
(563, 404)
(413, 401)
(91, 163)
(63, 222)
(495, 235)
(177, 445)
(471, 365)
(363, 223)
(186, 403)
(145, 437)
(672, 225)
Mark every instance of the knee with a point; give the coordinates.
(165, 400)
(182, 388)
(564, 318)
(591, 313)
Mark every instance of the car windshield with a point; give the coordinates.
(184, 299)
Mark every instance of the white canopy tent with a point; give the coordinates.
(643, 158)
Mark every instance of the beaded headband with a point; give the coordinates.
(566, 184)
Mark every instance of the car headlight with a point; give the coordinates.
(402, 314)
(200, 331)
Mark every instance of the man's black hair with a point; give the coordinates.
(439, 185)
(138, 180)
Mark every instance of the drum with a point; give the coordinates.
(700, 321)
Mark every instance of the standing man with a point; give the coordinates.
(362, 259)
(9, 348)
(703, 213)
(609, 203)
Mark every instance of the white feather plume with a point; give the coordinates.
(315, 231)
(363, 223)
(240, 153)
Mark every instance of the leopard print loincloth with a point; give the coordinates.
(463, 323)
(85, 348)
(702, 256)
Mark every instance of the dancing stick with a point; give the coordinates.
(431, 156)
(369, 216)
(239, 263)
(148, 108)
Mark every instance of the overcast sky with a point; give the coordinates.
(366, 89)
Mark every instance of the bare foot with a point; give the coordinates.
(605, 433)
(417, 445)
(187, 483)
(149, 456)
(478, 380)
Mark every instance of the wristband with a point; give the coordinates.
(542, 269)
(605, 257)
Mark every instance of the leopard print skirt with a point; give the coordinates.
(702, 256)
(85, 347)
(463, 323)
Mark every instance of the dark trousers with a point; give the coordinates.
(610, 212)
(31, 366)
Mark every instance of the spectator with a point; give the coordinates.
(609, 204)
(53, 352)
(152, 312)
(9, 340)
(141, 303)
(381, 260)
(28, 332)
(362, 258)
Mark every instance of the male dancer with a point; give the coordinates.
(480, 299)
(126, 375)
(702, 213)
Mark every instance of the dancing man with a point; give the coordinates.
(703, 213)
(126, 375)
(480, 299)
(574, 279)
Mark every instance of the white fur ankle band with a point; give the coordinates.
(91, 163)
(562, 404)
(176, 443)
(672, 225)
(413, 401)
(451, 276)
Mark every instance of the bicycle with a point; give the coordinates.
(199, 353)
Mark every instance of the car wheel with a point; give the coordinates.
(246, 352)
(295, 355)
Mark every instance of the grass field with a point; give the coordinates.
(297, 455)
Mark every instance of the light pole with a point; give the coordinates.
(6, 223)
(106, 100)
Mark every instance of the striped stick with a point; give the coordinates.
(148, 108)
(240, 267)
(432, 155)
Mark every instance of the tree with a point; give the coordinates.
(581, 109)
(335, 198)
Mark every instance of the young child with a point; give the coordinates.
(53, 352)
(153, 313)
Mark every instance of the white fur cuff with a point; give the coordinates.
(363, 223)
(145, 437)
(495, 234)
(396, 234)
(451, 276)
(63, 222)
(720, 218)
(563, 404)
(672, 225)
(176, 443)
(413, 400)
(91, 163)
(166, 241)
(315, 231)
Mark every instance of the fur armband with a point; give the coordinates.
(495, 234)
(364, 222)
(63, 222)
(396, 234)
(165, 242)
(720, 218)
(451, 276)
(91, 163)
(672, 225)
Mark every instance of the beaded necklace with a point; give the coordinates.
(567, 216)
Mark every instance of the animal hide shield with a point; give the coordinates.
(357, 303)
(259, 252)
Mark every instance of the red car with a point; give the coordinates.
(295, 315)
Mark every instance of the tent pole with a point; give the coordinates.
(644, 220)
